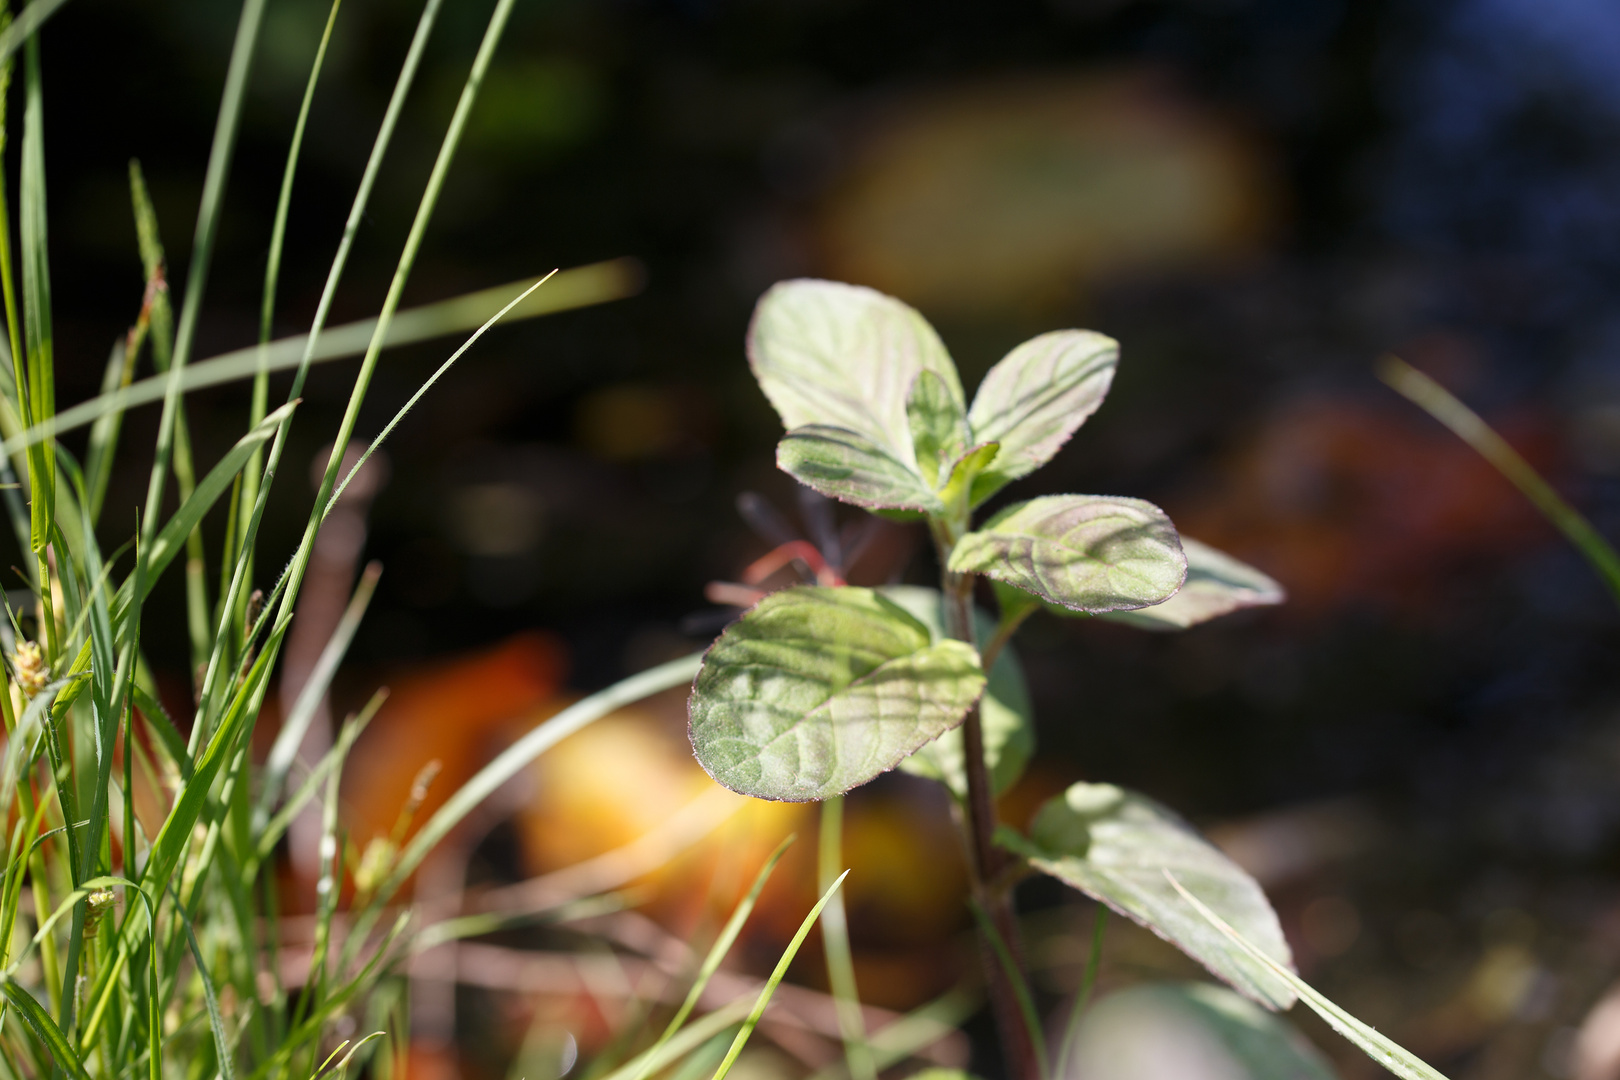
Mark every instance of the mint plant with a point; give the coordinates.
(819, 689)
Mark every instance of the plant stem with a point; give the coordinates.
(985, 860)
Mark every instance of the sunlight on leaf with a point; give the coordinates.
(1036, 397)
(818, 690)
(1090, 553)
(844, 355)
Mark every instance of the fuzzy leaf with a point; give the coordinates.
(818, 690)
(939, 431)
(1115, 846)
(1089, 553)
(845, 355)
(847, 466)
(1216, 585)
(1036, 397)
(1151, 1031)
(965, 470)
(1008, 720)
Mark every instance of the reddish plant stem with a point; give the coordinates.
(986, 861)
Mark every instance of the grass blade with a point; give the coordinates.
(835, 939)
(222, 1046)
(22, 28)
(170, 540)
(45, 1028)
(584, 286)
(1382, 1049)
(388, 429)
(1088, 983)
(717, 953)
(271, 832)
(518, 756)
(696, 1034)
(291, 736)
(774, 981)
(1439, 403)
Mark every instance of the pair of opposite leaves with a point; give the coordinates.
(818, 690)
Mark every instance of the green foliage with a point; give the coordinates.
(1035, 398)
(818, 690)
(1083, 552)
(1115, 847)
(174, 984)
(1009, 721)
(1216, 585)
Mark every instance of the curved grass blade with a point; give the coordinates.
(774, 981)
(388, 429)
(29, 20)
(291, 736)
(835, 942)
(1088, 983)
(222, 1048)
(45, 1028)
(696, 1034)
(353, 1050)
(711, 963)
(1382, 1049)
(1439, 403)
(171, 538)
(517, 757)
(583, 286)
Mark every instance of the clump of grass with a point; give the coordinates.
(132, 946)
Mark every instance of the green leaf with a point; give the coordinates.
(1216, 585)
(1035, 398)
(1381, 1048)
(816, 690)
(939, 430)
(964, 472)
(1090, 553)
(1116, 847)
(1151, 1031)
(846, 466)
(45, 1028)
(1004, 711)
(847, 356)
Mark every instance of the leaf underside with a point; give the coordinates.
(1216, 585)
(1005, 712)
(1090, 553)
(818, 690)
(1115, 847)
(844, 465)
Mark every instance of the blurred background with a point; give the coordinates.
(1419, 754)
